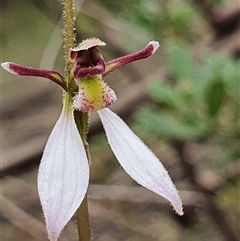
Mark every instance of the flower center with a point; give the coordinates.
(94, 94)
(88, 62)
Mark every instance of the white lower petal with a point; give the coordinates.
(63, 175)
(137, 159)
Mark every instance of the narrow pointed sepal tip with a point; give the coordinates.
(53, 238)
(7, 67)
(155, 45)
(178, 208)
(180, 212)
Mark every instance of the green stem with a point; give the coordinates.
(68, 26)
(84, 231)
(81, 118)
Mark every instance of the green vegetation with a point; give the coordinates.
(191, 109)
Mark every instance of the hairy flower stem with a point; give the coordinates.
(81, 119)
(84, 232)
(68, 26)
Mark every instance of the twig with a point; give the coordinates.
(138, 195)
(217, 216)
(22, 220)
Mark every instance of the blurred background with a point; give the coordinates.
(183, 102)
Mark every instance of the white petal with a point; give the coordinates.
(137, 159)
(63, 175)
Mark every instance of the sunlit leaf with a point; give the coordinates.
(214, 95)
(166, 126)
(164, 94)
(231, 76)
(180, 61)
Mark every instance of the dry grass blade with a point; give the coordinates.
(22, 220)
(138, 195)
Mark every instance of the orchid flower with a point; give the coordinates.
(63, 175)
